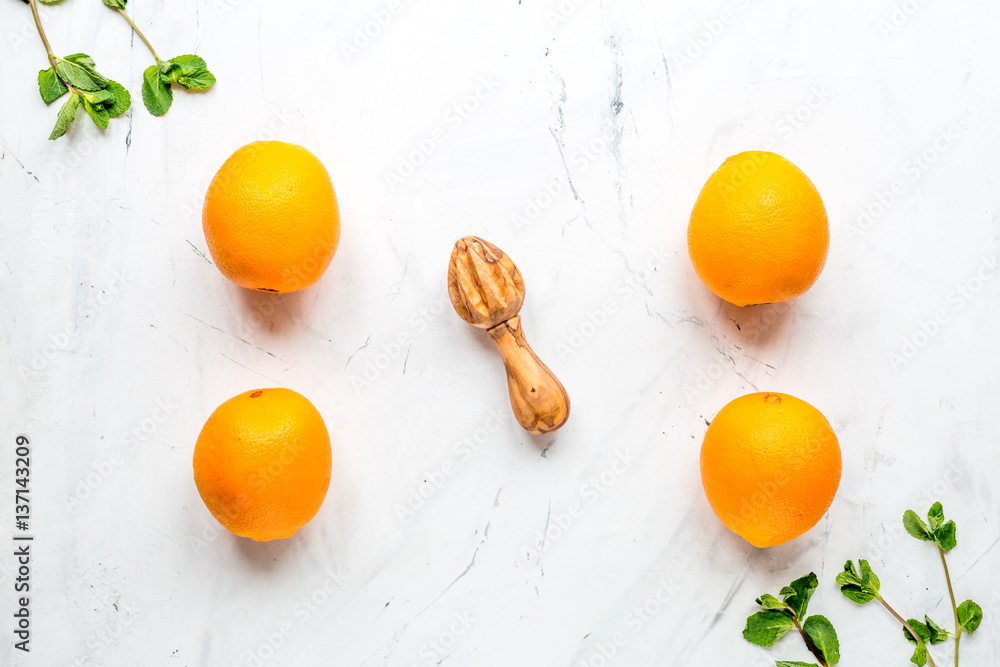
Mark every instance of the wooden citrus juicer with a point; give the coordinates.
(487, 291)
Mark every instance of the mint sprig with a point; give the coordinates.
(189, 71)
(968, 615)
(938, 531)
(77, 75)
(861, 585)
(778, 618)
(101, 98)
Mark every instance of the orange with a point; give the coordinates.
(271, 218)
(758, 232)
(770, 465)
(262, 463)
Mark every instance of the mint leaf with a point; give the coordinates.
(925, 632)
(116, 4)
(859, 588)
(918, 627)
(935, 516)
(766, 627)
(120, 100)
(868, 578)
(787, 663)
(103, 105)
(66, 115)
(823, 637)
(97, 113)
(189, 63)
(849, 575)
(156, 94)
(192, 73)
(50, 86)
(200, 79)
(970, 615)
(81, 59)
(920, 652)
(945, 538)
(797, 594)
(98, 97)
(935, 633)
(78, 71)
(915, 526)
(169, 70)
(768, 601)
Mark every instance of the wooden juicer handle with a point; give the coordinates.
(538, 398)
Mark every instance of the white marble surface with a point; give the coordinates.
(611, 107)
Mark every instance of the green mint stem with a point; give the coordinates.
(53, 59)
(809, 644)
(954, 607)
(41, 33)
(913, 633)
(138, 32)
